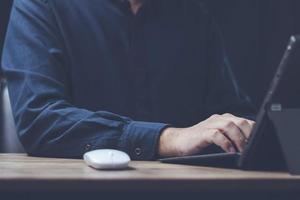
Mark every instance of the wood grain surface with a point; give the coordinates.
(20, 172)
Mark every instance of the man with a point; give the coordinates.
(158, 64)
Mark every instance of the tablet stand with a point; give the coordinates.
(286, 123)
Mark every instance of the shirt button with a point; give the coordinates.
(138, 151)
(87, 147)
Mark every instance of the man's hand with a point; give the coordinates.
(227, 131)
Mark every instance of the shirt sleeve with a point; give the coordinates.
(223, 95)
(38, 80)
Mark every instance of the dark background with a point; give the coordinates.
(255, 35)
(4, 15)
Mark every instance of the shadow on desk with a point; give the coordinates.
(146, 195)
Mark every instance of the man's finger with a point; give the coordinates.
(215, 136)
(233, 133)
(231, 115)
(245, 125)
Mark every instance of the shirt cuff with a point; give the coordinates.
(140, 139)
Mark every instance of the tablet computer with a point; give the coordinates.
(263, 150)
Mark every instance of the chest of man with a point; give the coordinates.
(149, 66)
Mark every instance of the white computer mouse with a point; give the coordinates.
(107, 159)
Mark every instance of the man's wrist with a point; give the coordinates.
(140, 139)
(167, 145)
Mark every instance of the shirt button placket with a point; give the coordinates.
(140, 70)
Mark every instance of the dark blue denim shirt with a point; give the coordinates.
(85, 75)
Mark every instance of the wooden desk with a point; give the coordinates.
(21, 175)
